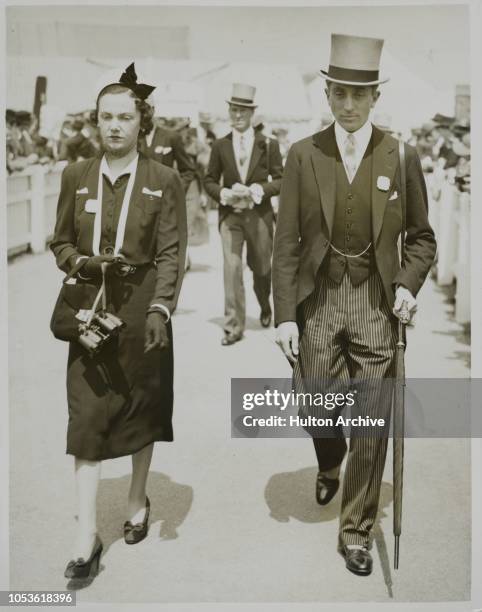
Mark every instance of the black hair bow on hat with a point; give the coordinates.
(129, 79)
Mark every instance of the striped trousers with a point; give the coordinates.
(347, 334)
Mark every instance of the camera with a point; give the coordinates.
(103, 327)
(109, 323)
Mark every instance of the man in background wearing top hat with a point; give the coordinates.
(337, 282)
(250, 167)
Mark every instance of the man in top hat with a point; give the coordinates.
(165, 146)
(338, 285)
(250, 167)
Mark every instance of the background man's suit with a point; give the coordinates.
(253, 226)
(343, 305)
(167, 147)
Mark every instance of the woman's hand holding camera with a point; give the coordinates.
(156, 331)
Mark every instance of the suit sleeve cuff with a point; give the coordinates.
(78, 273)
(162, 308)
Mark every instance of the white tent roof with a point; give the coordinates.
(183, 86)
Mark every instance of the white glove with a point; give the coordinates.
(405, 305)
(287, 337)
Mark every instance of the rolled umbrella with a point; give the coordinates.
(398, 436)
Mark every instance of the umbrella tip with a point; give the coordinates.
(397, 552)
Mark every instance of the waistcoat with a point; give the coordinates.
(352, 227)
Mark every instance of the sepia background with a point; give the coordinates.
(233, 520)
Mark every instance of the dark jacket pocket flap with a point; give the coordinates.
(150, 203)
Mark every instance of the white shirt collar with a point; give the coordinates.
(362, 137)
(129, 169)
(248, 135)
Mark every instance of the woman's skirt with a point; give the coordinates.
(121, 399)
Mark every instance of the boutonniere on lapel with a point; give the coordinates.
(383, 183)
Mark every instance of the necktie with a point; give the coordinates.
(350, 157)
(242, 152)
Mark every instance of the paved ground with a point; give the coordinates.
(232, 519)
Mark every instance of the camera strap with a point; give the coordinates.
(121, 226)
(101, 294)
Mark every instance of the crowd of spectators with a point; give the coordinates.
(443, 144)
(78, 139)
(26, 146)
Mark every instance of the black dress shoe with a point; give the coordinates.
(137, 532)
(79, 568)
(229, 339)
(326, 488)
(265, 318)
(358, 560)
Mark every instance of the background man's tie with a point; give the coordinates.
(350, 157)
(242, 152)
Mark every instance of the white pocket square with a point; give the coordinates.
(83, 190)
(157, 194)
(162, 150)
(394, 196)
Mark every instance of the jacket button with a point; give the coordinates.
(350, 196)
(348, 210)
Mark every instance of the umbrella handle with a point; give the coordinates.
(404, 318)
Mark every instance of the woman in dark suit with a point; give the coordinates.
(125, 214)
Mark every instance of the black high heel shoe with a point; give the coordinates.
(85, 569)
(135, 533)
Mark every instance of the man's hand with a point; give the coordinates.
(405, 305)
(156, 332)
(241, 191)
(227, 196)
(287, 337)
(242, 197)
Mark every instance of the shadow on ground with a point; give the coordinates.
(170, 504)
(292, 495)
(251, 323)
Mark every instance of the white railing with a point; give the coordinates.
(31, 207)
(449, 213)
(32, 202)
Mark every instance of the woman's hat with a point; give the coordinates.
(128, 79)
(354, 60)
(243, 95)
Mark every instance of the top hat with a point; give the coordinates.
(243, 95)
(354, 60)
